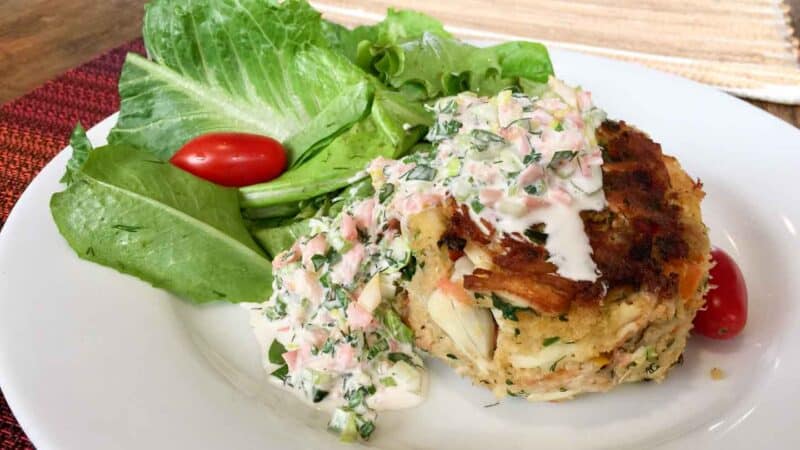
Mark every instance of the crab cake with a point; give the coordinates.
(494, 307)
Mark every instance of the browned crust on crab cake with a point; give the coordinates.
(651, 247)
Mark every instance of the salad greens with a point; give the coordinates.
(433, 66)
(279, 237)
(357, 43)
(147, 218)
(336, 99)
(248, 66)
(80, 151)
(392, 127)
(276, 234)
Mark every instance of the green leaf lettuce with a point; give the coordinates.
(80, 152)
(433, 66)
(393, 126)
(399, 25)
(150, 219)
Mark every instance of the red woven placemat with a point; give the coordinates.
(33, 129)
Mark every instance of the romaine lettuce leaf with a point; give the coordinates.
(278, 234)
(147, 218)
(80, 152)
(392, 127)
(276, 238)
(246, 65)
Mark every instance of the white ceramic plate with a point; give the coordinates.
(92, 359)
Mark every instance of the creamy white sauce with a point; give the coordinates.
(330, 332)
(265, 333)
(383, 400)
(567, 242)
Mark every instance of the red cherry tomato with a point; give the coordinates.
(725, 313)
(232, 159)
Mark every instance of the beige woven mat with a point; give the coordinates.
(745, 47)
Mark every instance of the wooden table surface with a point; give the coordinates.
(39, 39)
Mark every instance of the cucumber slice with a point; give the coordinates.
(344, 424)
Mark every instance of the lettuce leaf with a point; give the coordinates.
(245, 65)
(278, 234)
(399, 25)
(392, 127)
(405, 24)
(432, 66)
(524, 60)
(277, 237)
(152, 220)
(80, 152)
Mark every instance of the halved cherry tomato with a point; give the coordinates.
(725, 313)
(232, 159)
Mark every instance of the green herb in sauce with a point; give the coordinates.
(421, 172)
